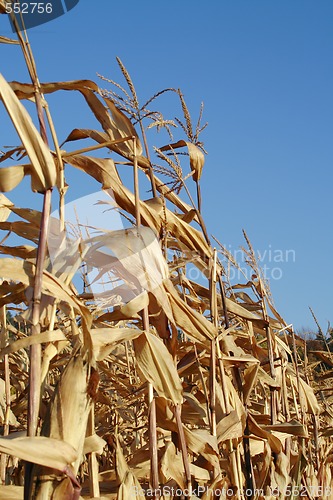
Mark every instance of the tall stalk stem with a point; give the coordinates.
(145, 323)
(3, 343)
(35, 350)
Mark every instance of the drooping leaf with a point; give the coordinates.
(197, 158)
(10, 177)
(5, 203)
(157, 366)
(98, 168)
(104, 339)
(43, 171)
(45, 451)
(25, 342)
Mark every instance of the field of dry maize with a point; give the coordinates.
(157, 385)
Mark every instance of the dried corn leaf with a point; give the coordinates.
(3, 408)
(129, 310)
(235, 401)
(104, 339)
(157, 366)
(292, 427)
(11, 492)
(25, 342)
(250, 379)
(22, 251)
(230, 427)
(281, 474)
(24, 272)
(129, 486)
(96, 167)
(53, 453)
(186, 234)
(10, 177)
(197, 158)
(3, 6)
(5, 203)
(239, 310)
(307, 397)
(192, 411)
(27, 90)
(267, 379)
(23, 229)
(49, 353)
(324, 356)
(139, 258)
(201, 442)
(273, 441)
(123, 128)
(93, 444)
(69, 410)
(195, 325)
(43, 171)
(172, 466)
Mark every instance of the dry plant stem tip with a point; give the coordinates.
(150, 169)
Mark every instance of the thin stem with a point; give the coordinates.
(136, 187)
(297, 375)
(97, 146)
(35, 350)
(151, 175)
(153, 450)
(61, 171)
(4, 338)
(92, 461)
(213, 308)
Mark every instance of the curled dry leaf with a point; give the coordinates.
(98, 168)
(197, 158)
(157, 366)
(129, 486)
(104, 339)
(66, 419)
(10, 177)
(42, 338)
(114, 122)
(45, 451)
(43, 171)
(95, 355)
(5, 203)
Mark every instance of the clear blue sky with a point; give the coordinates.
(264, 71)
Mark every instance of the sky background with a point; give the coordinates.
(264, 72)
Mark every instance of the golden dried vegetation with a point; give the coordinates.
(160, 384)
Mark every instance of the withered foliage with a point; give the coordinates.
(161, 382)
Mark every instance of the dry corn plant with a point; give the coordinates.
(158, 385)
